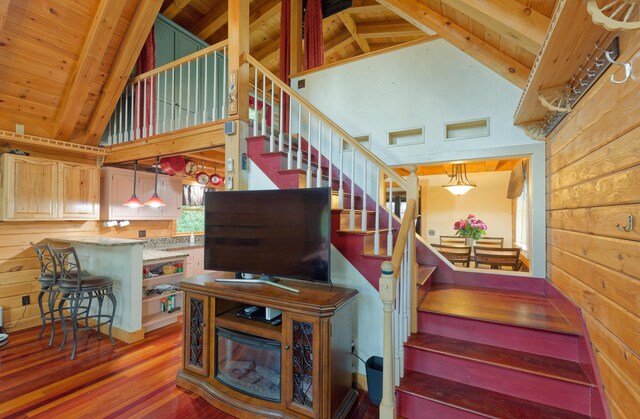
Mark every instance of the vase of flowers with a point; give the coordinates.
(471, 229)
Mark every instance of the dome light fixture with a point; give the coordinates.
(459, 184)
(155, 200)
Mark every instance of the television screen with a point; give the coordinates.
(278, 233)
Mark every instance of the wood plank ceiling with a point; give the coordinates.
(65, 62)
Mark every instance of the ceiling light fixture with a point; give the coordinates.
(459, 184)
(133, 202)
(155, 200)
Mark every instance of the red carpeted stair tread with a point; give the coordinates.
(517, 360)
(477, 400)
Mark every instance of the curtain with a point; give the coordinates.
(313, 39)
(285, 56)
(145, 91)
(523, 214)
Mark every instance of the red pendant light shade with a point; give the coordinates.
(155, 200)
(134, 202)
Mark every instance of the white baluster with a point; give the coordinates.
(120, 131)
(225, 94)
(197, 112)
(280, 127)
(290, 151)
(187, 123)
(137, 123)
(330, 158)
(124, 99)
(111, 127)
(352, 212)
(180, 100)
(157, 99)
(204, 88)
(299, 153)
(341, 180)
(376, 235)
(396, 333)
(144, 109)
(131, 99)
(272, 139)
(214, 113)
(255, 101)
(364, 194)
(173, 97)
(164, 111)
(389, 232)
(309, 157)
(263, 121)
(319, 170)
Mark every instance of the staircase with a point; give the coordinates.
(485, 344)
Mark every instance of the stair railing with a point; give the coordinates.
(328, 145)
(397, 288)
(184, 93)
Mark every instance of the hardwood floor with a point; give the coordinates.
(122, 381)
(506, 307)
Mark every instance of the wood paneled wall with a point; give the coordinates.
(593, 183)
(19, 267)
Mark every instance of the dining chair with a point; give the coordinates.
(48, 280)
(455, 254)
(453, 241)
(497, 257)
(490, 242)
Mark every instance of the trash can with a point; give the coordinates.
(374, 379)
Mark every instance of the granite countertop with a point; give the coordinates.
(99, 241)
(171, 243)
(149, 255)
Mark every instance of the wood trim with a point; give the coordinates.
(295, 37)
(4, 10)
(373, 53)
(179, 62)
(387, 29)
(95, 46)
(178, 142)
(328, 122)
(403, 236)
(426, 19)
(50, 144)
(337, 42)
(139, 28)
(510, 19)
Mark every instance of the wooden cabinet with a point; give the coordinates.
(195, 262)
(196, 333)
(117, 187)
(303, 364)
(41, 189)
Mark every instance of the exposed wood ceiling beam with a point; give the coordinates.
(348, 22)
(86, 71)
(337, 42)
(509, 18)
(426, 19)
(263, 12)
(213, 21)
(377, 8)
(207, 156)
(139, 28)
(491, 165)
(267, 51)
(387, 29)
(4, 8)
(175, 8)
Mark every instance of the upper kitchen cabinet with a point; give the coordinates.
(41, 189)
(117, 187)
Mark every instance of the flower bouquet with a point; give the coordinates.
(471, 227)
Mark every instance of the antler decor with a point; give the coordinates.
(615, 14)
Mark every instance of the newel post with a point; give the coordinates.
(387, 290)
(413, 192)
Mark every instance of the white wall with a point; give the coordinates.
(428, 85)
(488, 202)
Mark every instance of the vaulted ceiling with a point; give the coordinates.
(65, 62)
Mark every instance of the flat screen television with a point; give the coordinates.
(273, 233)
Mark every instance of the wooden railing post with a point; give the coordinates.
(387, 290)
(413, 191)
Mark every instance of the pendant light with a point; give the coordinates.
(459, 184)
(134, 202)
(155, 200)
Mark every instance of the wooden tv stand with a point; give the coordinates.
(315, 338)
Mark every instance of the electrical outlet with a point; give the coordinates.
(142, 233)
(26, 300)
(432, 233)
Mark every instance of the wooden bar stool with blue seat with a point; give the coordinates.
(75, 287)
(49, 276)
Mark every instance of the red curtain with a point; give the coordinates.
(285, 55)
(313, 39)
(145, 90)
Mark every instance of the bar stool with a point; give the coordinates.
(75, 287)
(49, 276)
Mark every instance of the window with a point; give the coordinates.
(406, 137)
(192, 220)
(523, 216)
(467, 129)
(363, 140)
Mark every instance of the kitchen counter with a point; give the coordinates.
(171, 243)
(150, 255)
(99, 241)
